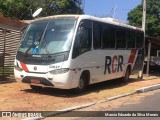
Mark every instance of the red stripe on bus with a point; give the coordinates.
(132, 56)
(24, 67)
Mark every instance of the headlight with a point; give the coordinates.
(59, 71)
(18, 68)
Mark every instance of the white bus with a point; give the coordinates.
(73, 51)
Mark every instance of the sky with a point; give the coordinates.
(102, 8)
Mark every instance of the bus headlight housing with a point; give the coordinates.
(18, 68)
(59, 71)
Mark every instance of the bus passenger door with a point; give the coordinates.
(82, 54)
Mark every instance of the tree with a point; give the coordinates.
(23, 9)
(61, 7)
(153, 17)
(18, 9)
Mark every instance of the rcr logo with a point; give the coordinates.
(110, 65)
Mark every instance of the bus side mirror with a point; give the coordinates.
(81, 25)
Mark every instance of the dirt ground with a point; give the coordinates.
(15, 96)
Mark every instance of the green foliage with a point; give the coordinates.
(23, 9)
(153, 17)
(61, 7)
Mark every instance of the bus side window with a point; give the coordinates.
(96, 35)
(120, 38)
(108, 36)
(130, 39)
(83, 40)
(139, 39)
(85, 35)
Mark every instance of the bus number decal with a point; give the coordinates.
(54, 67)
(110, 64)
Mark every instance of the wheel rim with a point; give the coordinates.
(81, 84)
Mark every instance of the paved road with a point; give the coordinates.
(151, 102)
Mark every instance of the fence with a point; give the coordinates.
(155, 59)
(9, 40)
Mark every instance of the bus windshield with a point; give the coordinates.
(48, 37)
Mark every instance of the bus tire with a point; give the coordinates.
(36, 88)
(82, 84)
(125, 79)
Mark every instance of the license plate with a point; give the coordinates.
(35, 81)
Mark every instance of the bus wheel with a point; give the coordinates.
(36, 88)
(82, 84)
(125, 79)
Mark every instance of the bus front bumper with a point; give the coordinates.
(61, 81)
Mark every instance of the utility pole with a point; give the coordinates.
(140, 74)
(144, 16)
(144, 28)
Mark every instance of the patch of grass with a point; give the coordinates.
(7, 70)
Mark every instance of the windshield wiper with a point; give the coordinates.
(36, 43)
(39, 41)
(32, 46)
